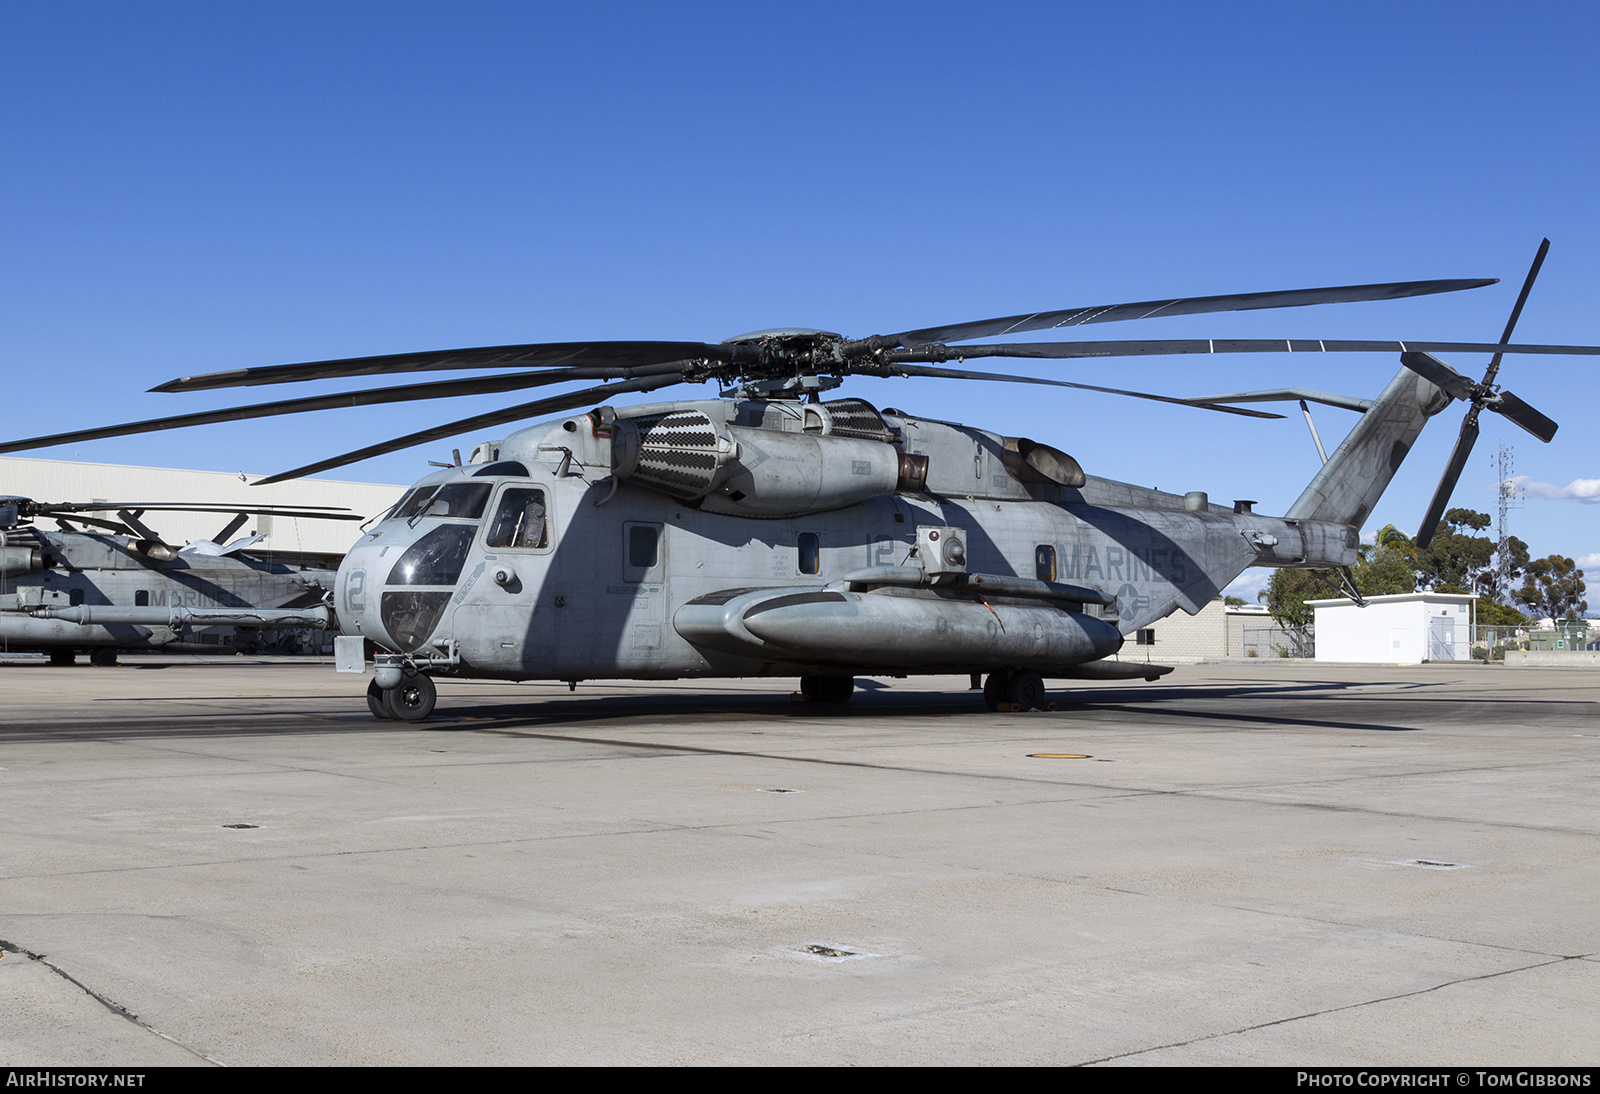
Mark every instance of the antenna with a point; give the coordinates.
(1512, 497)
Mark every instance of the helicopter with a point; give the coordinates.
(104, 581)
(770, 532)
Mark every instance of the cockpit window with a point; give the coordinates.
(436, 558)
(520, 520)
(410, 505)
(462, 500)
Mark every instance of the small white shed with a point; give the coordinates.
(1403, 629)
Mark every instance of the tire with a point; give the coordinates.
(378, 702)
(63, 657)
(828, 689)
(994, 689)
(103, 659)
(414, 699)
(1026, 690)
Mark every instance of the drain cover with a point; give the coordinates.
(828, 951)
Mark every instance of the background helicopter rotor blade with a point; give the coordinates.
(443, 389)
(1180, 346)
(959, 374)
(1480, 395)
(547, 355)
(1198, 305)
(305, 512)
(481, 421)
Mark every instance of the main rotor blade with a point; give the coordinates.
(1290, 395)
(545, 355)
(1174, 347)
(1198, 305)
(1447, 484)
(1516, 310)
(442, 389)
(959, 374)
(481, 421)
(1524, 415)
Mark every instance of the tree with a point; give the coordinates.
(1457, 562)
(1379, 571)
(1554, 587)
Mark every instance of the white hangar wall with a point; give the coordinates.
(69, 480)
(1403, 629)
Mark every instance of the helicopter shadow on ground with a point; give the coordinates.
(886, 701)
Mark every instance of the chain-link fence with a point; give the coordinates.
(1491, 643)
(1279, 642)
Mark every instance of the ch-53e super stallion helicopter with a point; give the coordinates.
(104, 581)
(768, 533)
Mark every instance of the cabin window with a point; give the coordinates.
(141, 598)
(520, 521)
(642, 552)
(644, 546)
(1147, 637)
(1044, 562)
(810, 553)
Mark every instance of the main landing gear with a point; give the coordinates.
(828, 689)
(412, 701)
(1022, 689)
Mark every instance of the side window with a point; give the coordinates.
(1044, 562)
(141, 598)
(641, 552)
(810, 553)
(520, 520)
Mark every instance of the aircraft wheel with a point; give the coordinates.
(413, 700)
(378, 702)
(103, 659)
(994, 689)
(1026, 690)
(828, 689)
(63, 657)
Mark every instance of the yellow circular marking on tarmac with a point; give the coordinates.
(1058, 756)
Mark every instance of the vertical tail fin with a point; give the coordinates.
(1349, 485)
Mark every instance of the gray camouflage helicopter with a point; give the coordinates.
(770, 533)
(106, 582)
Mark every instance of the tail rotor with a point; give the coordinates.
(1481, 396)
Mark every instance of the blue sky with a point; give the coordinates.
(196, 187)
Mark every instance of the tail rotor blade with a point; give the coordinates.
(1516, 311)
(1447, 484)
(1439, 374)
(1524, 415)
